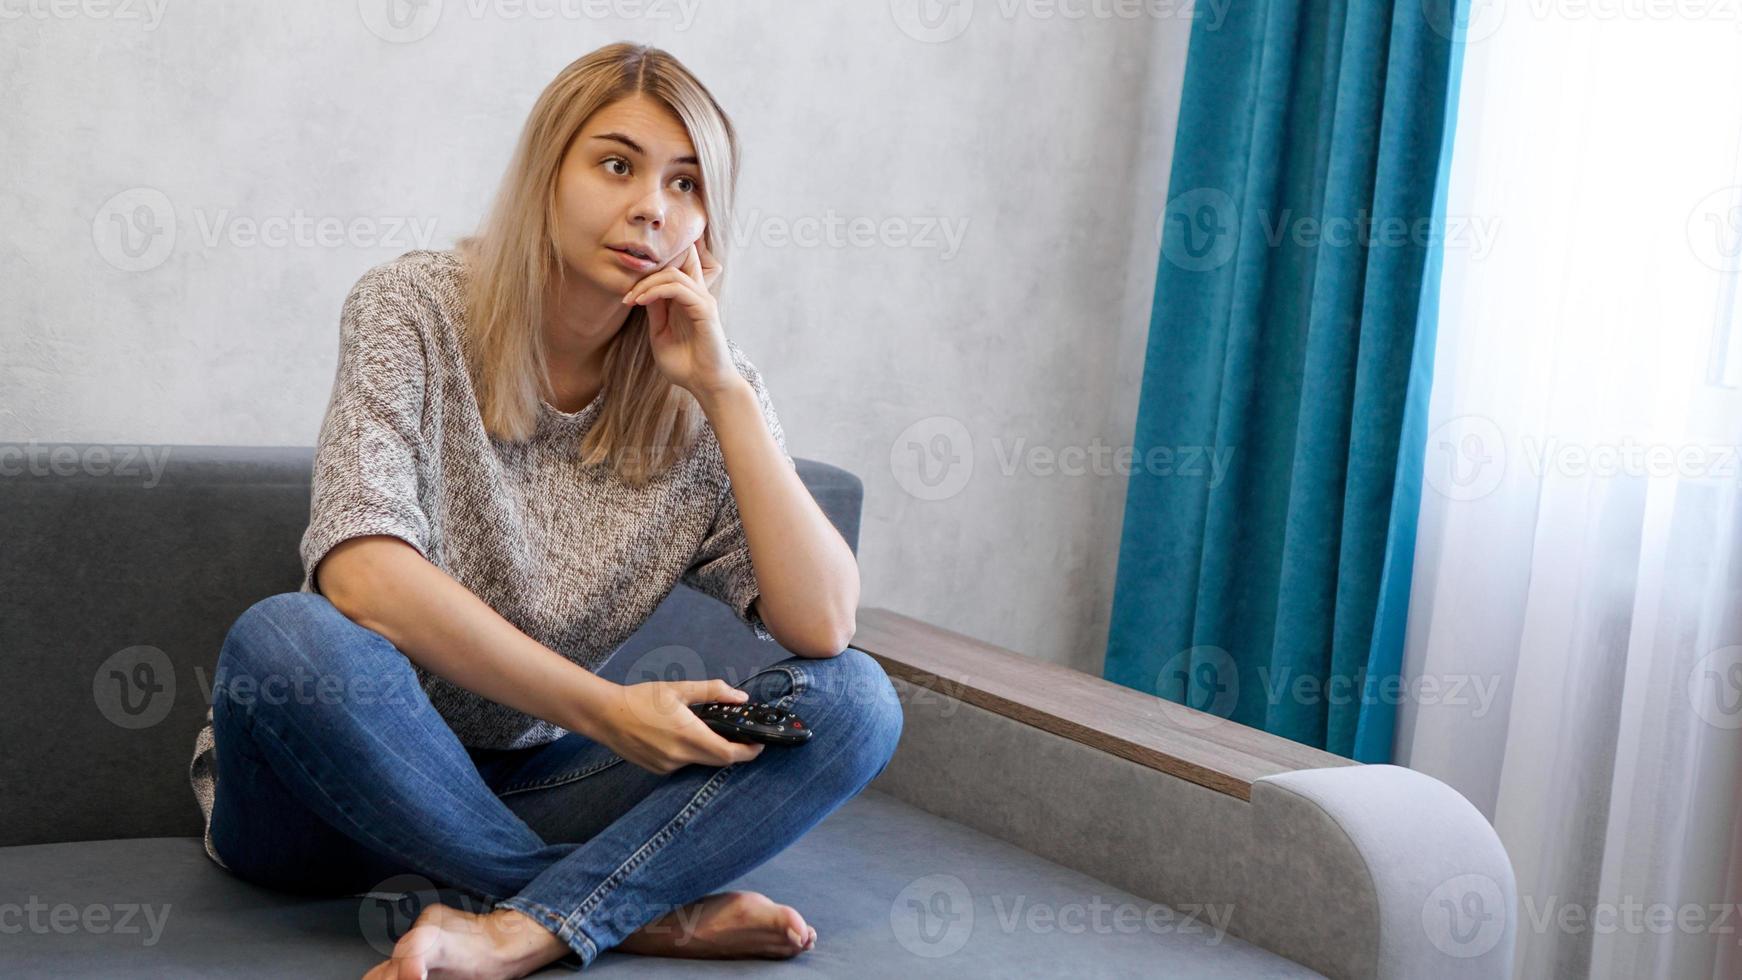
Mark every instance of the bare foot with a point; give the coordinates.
(447, 942)
(725, 925)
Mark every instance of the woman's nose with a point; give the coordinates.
(650, 209)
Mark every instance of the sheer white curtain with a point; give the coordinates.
(1578, 576)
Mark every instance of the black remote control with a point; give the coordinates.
(751, 722)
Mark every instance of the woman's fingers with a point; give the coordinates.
(729, 752)
(710, 268)
(668, 275)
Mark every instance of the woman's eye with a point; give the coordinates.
(613, 162)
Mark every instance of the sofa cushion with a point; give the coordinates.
(891, 890)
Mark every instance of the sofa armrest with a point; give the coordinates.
(1351, 870)
(1391, 861)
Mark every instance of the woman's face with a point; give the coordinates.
(628, 180)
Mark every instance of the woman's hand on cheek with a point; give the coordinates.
(683, 324)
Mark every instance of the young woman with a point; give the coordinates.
(531, 440)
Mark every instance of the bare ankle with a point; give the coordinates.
(524, 944)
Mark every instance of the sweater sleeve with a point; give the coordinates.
(365, 478)
(721, 567)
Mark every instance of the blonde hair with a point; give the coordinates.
(646, 422)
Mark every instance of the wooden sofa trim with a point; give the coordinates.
(1193, 745)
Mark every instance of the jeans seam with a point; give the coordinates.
(550, 919)
(795, 675)
(558, 779)
(708, 791)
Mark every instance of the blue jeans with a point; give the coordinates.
(334, 774)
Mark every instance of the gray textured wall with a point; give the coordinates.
(189, 191)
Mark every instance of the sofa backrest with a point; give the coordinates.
(122, 569)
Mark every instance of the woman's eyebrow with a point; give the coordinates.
(626, 141)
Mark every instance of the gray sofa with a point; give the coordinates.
(992, 845)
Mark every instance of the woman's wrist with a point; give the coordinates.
(712, 399)
(583, 702)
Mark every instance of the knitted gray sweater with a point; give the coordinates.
(572, 556)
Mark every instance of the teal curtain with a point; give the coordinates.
(1269, 530)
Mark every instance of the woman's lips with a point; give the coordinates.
(632, 262)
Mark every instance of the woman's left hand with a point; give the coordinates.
(683, 323)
